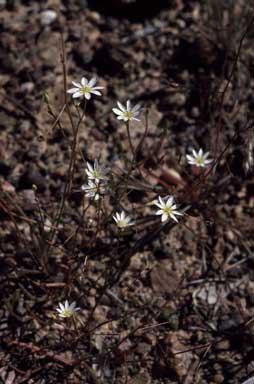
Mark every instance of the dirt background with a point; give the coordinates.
(171, 305)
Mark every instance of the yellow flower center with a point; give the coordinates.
(122, 223)
(129, 114)
(67, 313)
(168, 210)
(97, 174)
(86, 89)
(200, 160)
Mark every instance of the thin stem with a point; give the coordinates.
(130, 142)
(73, 149)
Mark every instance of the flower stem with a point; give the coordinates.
(129, 138)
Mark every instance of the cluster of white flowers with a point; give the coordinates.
(86, 88)
(97, 173)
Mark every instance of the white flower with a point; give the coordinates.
(127, 114)
(66, 309)
(199, 158)
(85, 88)
(167, 209)
(93, 189)
(122, 220)
(96, 172)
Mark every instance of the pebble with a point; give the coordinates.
(48, 16)
(195, 112)
(178, 99)
(219, 378)
(27, 87)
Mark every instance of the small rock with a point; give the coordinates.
(223, 345)
(249, 381)
(27, 87)
(163, 279)
(219, 378)
(94, 16)
(143, 348)
(28, 200)
(47, 17)
(195, 112)
(178, 99)
(7, 187)
(142, 378)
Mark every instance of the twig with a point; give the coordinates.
(219, 126)
(50, 354)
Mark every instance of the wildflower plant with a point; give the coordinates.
(92, 235)
(128, 114)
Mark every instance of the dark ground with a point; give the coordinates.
(189, 288)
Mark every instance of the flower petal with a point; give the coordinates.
(158, 204)
(96, 92)
(77, 94)
(92, 82)
(164, 217)
(177, 213)
(189, 157)
(76, 84)
(173, 217)
(120, 105)
(117, 111)
(161, 201)
(170, 201)
(84, 81)
(136, 108)
(73, 90)
(200, 152)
